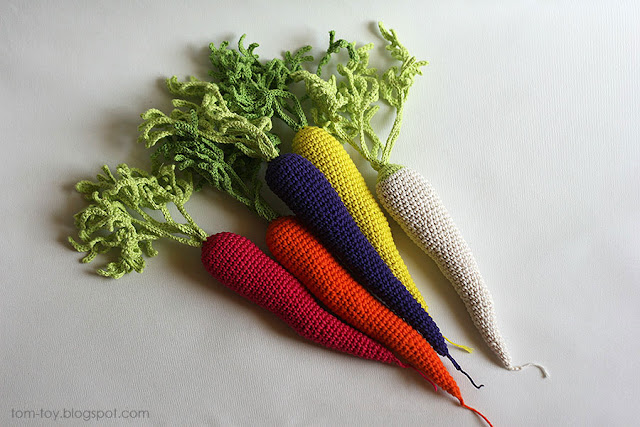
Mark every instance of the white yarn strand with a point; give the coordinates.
(413, 203)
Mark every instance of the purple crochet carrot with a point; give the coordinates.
(311, 197)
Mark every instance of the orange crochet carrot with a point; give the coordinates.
(309, 261)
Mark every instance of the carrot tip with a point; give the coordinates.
(455, 364)
(543, 370)
(475, 411)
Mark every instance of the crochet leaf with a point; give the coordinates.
(215, 145)
(335, 46)
(216, 122)
(395, 83)
(116, 216)
(346, 106)
(254, 89)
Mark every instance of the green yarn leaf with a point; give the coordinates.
(335, 46)
(345, 105)
(216, 122)
(396, 81)
(221, 132)
(254, 89)
(116, 216)
(215, 145)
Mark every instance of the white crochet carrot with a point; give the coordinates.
(413, 203)
(403, 192)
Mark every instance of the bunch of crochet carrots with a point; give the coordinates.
(337, 247)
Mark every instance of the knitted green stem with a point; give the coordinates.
(116, 217)
(395, 84)
(346, 108)
(336, 46)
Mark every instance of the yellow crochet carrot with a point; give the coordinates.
(329, 156)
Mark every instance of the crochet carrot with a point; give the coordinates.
(118, 217)
(404, 193)
(242, 92)
(306, 258)
(189, 138)
(413, 203)
(306, 191)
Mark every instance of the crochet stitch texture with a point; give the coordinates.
(328, 155)
(415, 205)
(307, 259)
(263, 281)
(308, 193)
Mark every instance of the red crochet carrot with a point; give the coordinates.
(118, 218)
(306, 258)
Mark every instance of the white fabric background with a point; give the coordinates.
(526, 121)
